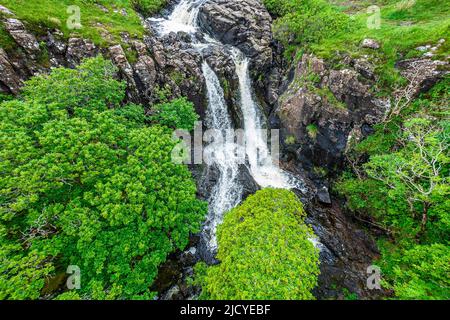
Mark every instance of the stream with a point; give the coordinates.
(225, 154)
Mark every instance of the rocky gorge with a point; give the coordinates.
(319, 109)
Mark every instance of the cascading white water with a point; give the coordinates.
(227, 191)
(262, 168)
(183, 18)
(224, 155)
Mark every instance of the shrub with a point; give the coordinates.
(176, 114)
(420, 272)
(306, 22)
(148, 7)
(82, 184)
(265, 251)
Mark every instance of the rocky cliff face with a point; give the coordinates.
(323, 110)
(245, 24)
(156, 63)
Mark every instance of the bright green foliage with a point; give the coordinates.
(333, 29)
(405, 187)
(421, 272)
(265, 251)
(418, 172)
(305, 22)
(148, 7)
(89, 87)
(5, 97)
(95, 22)
(176, 114)
(407, 175)
(84, 182)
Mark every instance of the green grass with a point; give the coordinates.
(405, 25)
(429, 22)
(101, 27)
(6, 41)
(312, 130)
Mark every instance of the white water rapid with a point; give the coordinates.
(227, 191)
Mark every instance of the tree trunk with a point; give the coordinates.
(423, 223)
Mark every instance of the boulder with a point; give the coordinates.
(370, 43)
(24, 39)
(119, 58)
(245, 24)
(79, 49)
(421, 73)
(145, 70)
(5, 11)
(10, 82)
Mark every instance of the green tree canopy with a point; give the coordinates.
(265, 251)
(404, 187)
(176, 114)
(84, 182)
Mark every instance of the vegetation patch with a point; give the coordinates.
(101, 21)
(265, 251)
(85, 182)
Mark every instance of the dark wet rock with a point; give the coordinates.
(422, 74)
(245, 24)
(173, 278)
(323, 196)
(126, 72)
(249, 184)
(347, 88)
(145, 71)
(23, 38)
(172, 294)
(206, 177)
(346, 251)
(178, 67)
(364, 68)
(315, 127)
(79, 49)
(10, 82)
(370, 43)
(189, 257)
(57, 46)
(223, 65)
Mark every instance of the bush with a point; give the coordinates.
(176, 114)
(83, 184)
(306, 22)
(148, 7)
(420, 272)
(265, 251)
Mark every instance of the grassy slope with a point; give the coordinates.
(404, 26)
(41, 14)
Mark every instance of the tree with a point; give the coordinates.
(265, 251)
(404, 187)
(418, 167)
(85, 182)
(419, 272)
(176, 114)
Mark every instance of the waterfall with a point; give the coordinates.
(223, 154)
(227, 191)
(183, 18)
(262, 168)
